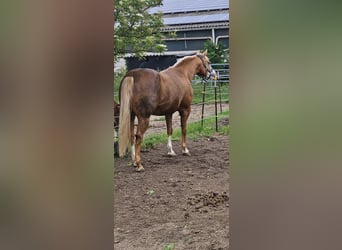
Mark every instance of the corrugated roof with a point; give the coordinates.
(181, 6)
(196, 19)
(180, 53)
(195, 26)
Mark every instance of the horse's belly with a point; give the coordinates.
(164, 110)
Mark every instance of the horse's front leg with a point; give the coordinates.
(142, 127)
(168, 119)
(184, 118)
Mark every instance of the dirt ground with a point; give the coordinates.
(181, 200)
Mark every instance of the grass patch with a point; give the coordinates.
(162, 118)
(194, 131)
(170, 246)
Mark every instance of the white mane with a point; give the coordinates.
(179, 61)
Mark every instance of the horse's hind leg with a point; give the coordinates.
(142, 127)
(132, 138)
(168, 118)
(184, 118)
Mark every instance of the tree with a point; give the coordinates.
(216, 53)
(135, 29)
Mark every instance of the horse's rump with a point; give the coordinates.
(146, 91)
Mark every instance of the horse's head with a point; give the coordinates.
(205, 70)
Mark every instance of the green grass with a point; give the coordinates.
(194, 131)
(170, 246)
(162, 118)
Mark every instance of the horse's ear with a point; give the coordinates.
(205, 52)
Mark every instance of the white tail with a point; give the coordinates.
(125, 114)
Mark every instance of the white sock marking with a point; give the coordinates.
(133, 152)
(169, 147)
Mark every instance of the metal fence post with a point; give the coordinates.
(215, 89)
(203, 100)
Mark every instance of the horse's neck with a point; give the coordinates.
(187, 68)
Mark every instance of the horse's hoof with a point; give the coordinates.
(171, 153)
(186, 152)
(140, 168)
(134, 164)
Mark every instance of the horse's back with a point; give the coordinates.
(143, 75)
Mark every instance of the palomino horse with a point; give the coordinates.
(146, 92)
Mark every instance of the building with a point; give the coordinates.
(194, 22)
